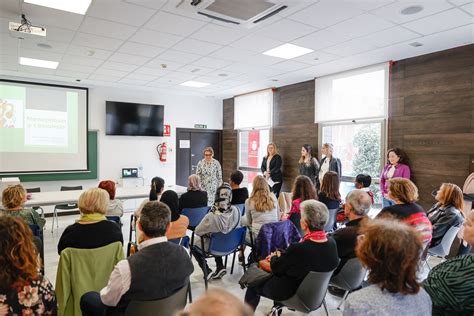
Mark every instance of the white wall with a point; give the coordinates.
(117, 152)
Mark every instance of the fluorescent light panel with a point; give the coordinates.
(38, 63)
(74, 6)
(288, 51)
(195, 84)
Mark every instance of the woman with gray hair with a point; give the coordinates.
(289, 268)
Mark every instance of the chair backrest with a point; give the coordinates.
(351, 275)
(36, 230)
(183, 241)
(164, 307)
(442, 249)
(195, 215)
(64, 188)
(241, 207)
(33, 190)
(331, 220)
(114, 218)
(223, 244)
(310, 294)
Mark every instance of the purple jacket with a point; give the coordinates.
(401, 171)
(273, 236)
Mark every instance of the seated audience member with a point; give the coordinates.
(363, 182)
(217, 303)
(13, 199)
(195, 196)
(447, 212)
(179, 223)
(329, 193)
(222, 218)
(356, 207)
(289, 268)
(92, 230)
(390, 250)
(23, 290)
(157, 271)
(404, 194)
(303, 189)
(157, 188)
(239, 195)
(451, 283)
(115, 206)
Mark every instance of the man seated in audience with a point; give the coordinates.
(222, 218)
(356, 207)
(239, 195)
(218, 303)
(362, 182)
(157, 271)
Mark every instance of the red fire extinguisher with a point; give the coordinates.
(162, 149)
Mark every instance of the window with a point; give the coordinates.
(253, 110)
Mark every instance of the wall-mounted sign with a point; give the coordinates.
(200, 126)
(167, 130)
(184, 143)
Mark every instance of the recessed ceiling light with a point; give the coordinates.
(76, 6)
(195, 84)
(414, 9)
(288, 51)
(38, 63)
(43, 45)
(416, 44)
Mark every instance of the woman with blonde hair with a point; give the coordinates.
(210, 172)
(13, 200)
(92, 230)
(329, 163)
(447, 212)
(271, 168)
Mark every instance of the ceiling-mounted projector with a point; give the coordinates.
(25, 28)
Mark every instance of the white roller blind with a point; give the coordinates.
(253, 110)
(355, 94)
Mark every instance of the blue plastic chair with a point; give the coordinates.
(115, 219)
(38, 233)
(221, 245)
(195, 216)
(241, 207)
(183, 241)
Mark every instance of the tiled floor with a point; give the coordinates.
(229, 282)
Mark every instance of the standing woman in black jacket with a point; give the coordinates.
(271, 168)
(308, 165)
(329, 163)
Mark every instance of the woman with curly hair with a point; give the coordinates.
(390, 250)
(23, 290)
(13, 200)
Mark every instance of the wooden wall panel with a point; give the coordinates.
(432, 116)
(229, 137)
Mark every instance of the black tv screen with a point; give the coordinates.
(134, 119)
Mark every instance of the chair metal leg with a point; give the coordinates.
(225, 262)
(55, 214)
(343, 300)
(244, 265)
(325, 307)
(205, 271)
(189, 293)
(233, 262)
(192, 240)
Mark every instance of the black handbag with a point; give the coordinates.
(254, 276)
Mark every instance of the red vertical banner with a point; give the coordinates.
(253, 146)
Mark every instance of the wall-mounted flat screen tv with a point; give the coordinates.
(134, 119)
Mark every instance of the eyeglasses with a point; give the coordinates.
(208, 155)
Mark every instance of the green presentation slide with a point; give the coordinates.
(38, 120)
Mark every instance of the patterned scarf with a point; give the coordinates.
(318, 235)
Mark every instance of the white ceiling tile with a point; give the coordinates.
(75, 68)
(40, 15)
(72, 74)
(361, 25)
(80, 60)
(152, 4)
(122, 12)
(440, 22)
(9, 45)
(159, 84)
(110, 72)
(154, 38)
(460, 2)
(390, 36)
(141, 77)
(349, 48)
(316, 58)
(218, 73)
(326, 13)
(239, 67)
(392, 11)
(218, 34)
(8, 66)
(9, 59)
(448, 39)
(286, 30)
(181, 76)
(256, 43)
(133, 82)
(106, 28)
(103, 78)
(368, 5)
(196, 46)
(40, 54)
(469, 8)
(129, 59)
(57, 34)
(9, 8)
(88, 52)
(231, 83)
(260, 60)
(321, 39)
(4, 24)
(56, 47)
(158, 62)
(167, 81)
(37, 70)
(233, 54)
(212, 62)
(196, 70)
(141, 49)
(173, 24)
(89, 40)
(289, 65)
(118, 66)
(209, 79)
(180, 57)
(151, 71)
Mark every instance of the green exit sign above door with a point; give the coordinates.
(200, 126)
